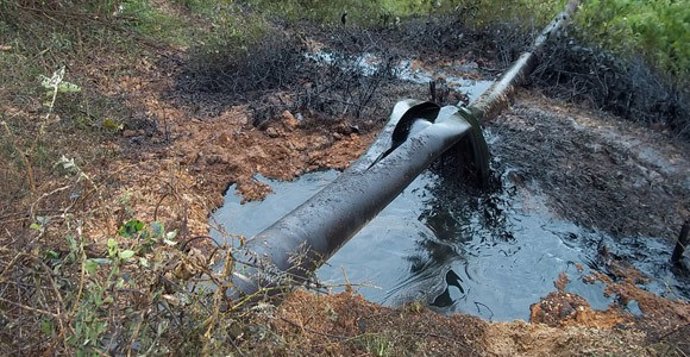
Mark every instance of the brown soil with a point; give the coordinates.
(345, 324)
(205, 154)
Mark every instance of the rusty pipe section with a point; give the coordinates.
(293, 247)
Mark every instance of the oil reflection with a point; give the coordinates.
(464, 222)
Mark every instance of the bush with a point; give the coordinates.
(528, 14)
(657, 30)
(359, 12)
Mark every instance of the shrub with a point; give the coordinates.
(658, 30)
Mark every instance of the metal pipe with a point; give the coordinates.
(290, 249)
(495, 98)
(415, 136)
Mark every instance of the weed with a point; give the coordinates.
(376, 344)
(415, 307)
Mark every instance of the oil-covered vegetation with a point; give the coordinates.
(658, 29)
(63, 291)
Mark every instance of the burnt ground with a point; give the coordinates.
(598, 170)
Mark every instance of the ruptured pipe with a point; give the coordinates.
(417, 133)
(293, 247)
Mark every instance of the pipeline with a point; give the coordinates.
(290, 249)
(496, 97)
(417, 133)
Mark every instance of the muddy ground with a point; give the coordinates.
(584, 161)
(598, 170)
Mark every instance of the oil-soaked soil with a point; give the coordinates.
(488, 254)
(607, 175)
(598, 171)
(603, 175)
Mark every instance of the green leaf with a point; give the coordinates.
(131, 228)
(40, 223)
(121, 283)
(112, 125)
(157, 229)
(171, 235)
(73, 245)
(51, 254)
(97, 299)
(54, 81)
(144, 262)
(47, 327)
(90, 266)
(126, 254)
(67, 87)
(67, 164)
(112, 247)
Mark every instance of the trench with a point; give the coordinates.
(489, 254)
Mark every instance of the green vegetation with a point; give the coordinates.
(123, 292)
(659, 30)
(529, 14)
(362, 12)
(376, 344)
